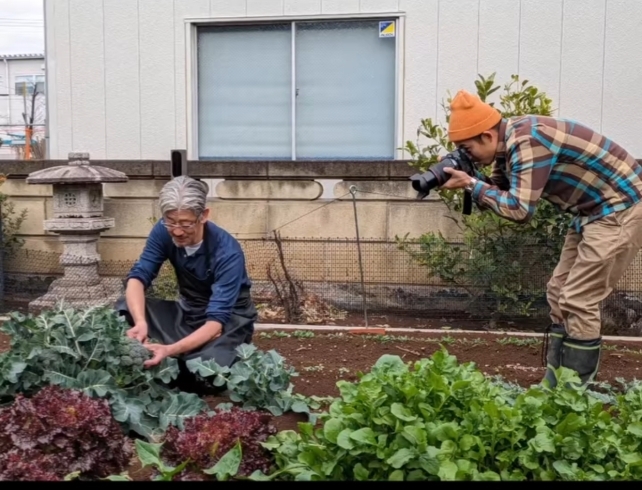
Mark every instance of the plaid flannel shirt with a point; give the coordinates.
(576, 169)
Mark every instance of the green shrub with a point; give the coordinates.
(499, 263)
(11, 223)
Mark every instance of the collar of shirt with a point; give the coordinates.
(500, 153)
(211, 238)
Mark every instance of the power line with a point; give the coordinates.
(9, 23)
(23, 19)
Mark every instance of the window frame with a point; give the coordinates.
(192, 25)
(34, 82)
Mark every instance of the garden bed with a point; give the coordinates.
(321, 359)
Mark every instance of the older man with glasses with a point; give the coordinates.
(214, 313)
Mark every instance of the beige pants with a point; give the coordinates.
(590, 266)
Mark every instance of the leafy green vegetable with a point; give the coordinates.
(88, 350)
(60, 434)
(149, 455)
(228, 465)
(259, 380)
(438, 420)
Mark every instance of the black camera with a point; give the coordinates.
(436, 177)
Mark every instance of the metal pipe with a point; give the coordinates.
(269, 327)
(6, 72)
(353, 191)
(1, 263)
(47, 154)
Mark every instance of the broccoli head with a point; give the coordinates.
(134, 353)
(126, 361)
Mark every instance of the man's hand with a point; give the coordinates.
(160, 352)
(458, 179)
(138, 332)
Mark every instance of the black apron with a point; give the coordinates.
(171, 321)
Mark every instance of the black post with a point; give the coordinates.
(353, 191)
(178, 165)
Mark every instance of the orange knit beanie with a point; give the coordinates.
(469, 116)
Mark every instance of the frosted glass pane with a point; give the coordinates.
(346, 90)
(244, 92)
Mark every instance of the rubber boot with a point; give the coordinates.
(555, 335)
(583, 357)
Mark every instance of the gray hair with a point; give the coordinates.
(184, 194)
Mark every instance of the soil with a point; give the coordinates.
(4, 343)
(326, 358)
(322, 359)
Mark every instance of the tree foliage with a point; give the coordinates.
(10, 222)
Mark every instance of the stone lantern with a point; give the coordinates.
(78, 220)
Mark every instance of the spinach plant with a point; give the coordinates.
(437, 420)
(88, 350)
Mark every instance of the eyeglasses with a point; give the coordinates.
(184, 227)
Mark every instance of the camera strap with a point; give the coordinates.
(468, 203)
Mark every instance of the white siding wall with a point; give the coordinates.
(116, 68)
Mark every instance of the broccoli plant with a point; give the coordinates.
(259, 380)
(88, 350)
(134, 354)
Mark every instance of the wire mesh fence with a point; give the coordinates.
(311, 280)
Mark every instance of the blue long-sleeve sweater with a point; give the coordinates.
(227, 263)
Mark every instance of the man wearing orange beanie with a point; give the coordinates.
(581, 172)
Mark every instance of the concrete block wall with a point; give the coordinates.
(251, 209)
(250, 200)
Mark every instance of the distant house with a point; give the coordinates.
(20, 76)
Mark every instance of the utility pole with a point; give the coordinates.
(28, 127)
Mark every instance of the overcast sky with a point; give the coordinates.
(21, 27)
